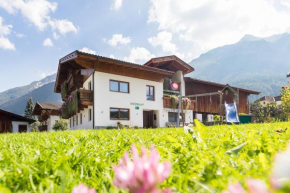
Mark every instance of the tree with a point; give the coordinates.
(258, 111)
(60, 125)
(285, 92)
(29, 109)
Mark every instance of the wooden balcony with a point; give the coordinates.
(74, 82)
(42, 128)
(167, 103)
(42, 118)
(86, 97)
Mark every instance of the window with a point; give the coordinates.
(119, 114)
(150, 93)
(81, 118)
(118, 86)
(73, 121)
(172, 117)
(90, 114)
(90, 86)
(77, 120)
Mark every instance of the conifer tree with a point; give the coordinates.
(29, 109)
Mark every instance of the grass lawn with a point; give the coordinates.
(57, 161)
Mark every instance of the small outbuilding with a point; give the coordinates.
(13, 123)
(47, 114)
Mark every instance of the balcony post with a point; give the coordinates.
(178, 113)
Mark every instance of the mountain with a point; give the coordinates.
(44, 93)
(14, 100)
(18, 92)
(254, 63)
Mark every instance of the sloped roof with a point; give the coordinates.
(267, 98)
(49, 106)
(17, 117)
(277, 98)
(171, 63)
(92, 57)
(45, 106)
(189, 79)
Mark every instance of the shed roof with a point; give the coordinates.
(189, 79)
(17, 117)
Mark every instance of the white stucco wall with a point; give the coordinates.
(51, 121)
(104, 99)
(164, 117)
(198, 116)
(15, 126)
(86, 123)
(210, 118)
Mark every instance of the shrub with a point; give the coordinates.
(216, 119)
(34, 126)
(120, 125)
(285, 92)
(60, 125)
(136, 127)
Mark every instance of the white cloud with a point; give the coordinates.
(19, 35)
(63, 26)
(285, 3)
(38, 13)
(112, 56)
(88, 50)
(5, 30)
(116, 5)
(47, 42)
(119, 39)
(55, 36)
(139, 54)
(210, 23)
(164, 39)
(6, 44)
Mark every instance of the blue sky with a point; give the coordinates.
(35, 34)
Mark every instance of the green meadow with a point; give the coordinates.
(203, 162)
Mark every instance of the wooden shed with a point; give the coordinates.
(211, 104)
(13, 123)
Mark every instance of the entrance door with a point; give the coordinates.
(148, 119)
(22, 128)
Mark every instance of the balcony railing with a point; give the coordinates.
(42, 118)
(74, 82)
(42, 128)
(168, 103)
(79, 100)
(86, 97)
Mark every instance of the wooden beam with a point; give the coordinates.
(88, 64)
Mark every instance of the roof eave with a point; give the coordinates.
(221, 85)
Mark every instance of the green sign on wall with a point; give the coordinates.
(137, 107)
